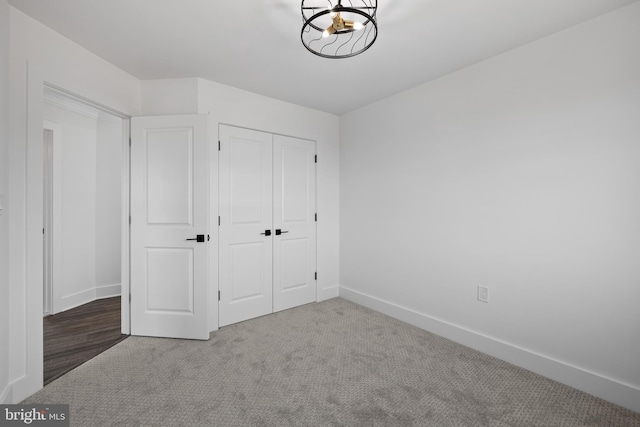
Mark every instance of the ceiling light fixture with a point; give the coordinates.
(337, 31)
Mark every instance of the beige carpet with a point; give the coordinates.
(333, 363)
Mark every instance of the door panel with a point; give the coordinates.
(169, 204)
(294, 263)
(245, 249)
(169, 280)
(169, 176)
(294, 214)
(295, 173)
(246, 283)
(249, 186)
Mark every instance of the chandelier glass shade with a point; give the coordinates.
(338, 29)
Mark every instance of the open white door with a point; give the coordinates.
(169, 226)
(294, 207)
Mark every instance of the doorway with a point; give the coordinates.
(83, 156)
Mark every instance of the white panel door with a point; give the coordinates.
(169, 207)
(294, 207)
(245, 206)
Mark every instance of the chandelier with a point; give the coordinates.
(337, 30)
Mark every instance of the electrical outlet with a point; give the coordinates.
(483, 294)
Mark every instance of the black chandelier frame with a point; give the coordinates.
(368, 26)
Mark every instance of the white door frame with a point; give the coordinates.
(125, 199)
(47, 217)
(32, 380)
(125, 269)
(52, 224)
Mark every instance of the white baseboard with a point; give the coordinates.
(328, 293)
(614, 391)
(74, 300)
(92, 294)
(24, 387)
(6, 396)
(108, 291)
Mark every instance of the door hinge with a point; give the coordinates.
(218, 220)
(208, 237)
(316, 216)
(315, 276)
(218, 145)
(218, 295)
(315, 160)
(129, 219)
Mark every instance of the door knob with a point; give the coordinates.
(266, 233)
(279, 232)
(199, 238)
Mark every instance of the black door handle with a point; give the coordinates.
(266, 233)
(279, 232)
(199, 238)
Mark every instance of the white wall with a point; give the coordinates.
(76, 197)
(38, 54)
(87, 195)
(169, 96)
(522, 174)
(108, 205)
(4, 221)
(228, 105)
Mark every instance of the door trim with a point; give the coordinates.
(52, 222)
(125, 236)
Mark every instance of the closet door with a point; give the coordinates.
(294, 207)
(245, 246)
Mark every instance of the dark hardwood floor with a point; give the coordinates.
(77, 335)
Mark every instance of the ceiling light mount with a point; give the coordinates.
(333, 30)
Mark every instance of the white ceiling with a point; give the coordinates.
(255, 44)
